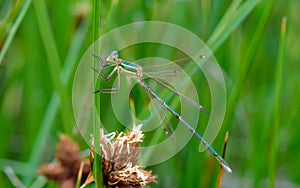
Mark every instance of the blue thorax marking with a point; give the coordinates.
(130, 67)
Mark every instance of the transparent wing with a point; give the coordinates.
(167, 86)
(169, 70)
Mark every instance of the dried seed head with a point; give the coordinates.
(65, 171)
(119, 159)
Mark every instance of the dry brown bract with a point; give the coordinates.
(119, 159)
(66, 170)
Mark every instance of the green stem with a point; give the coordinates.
(97, 165)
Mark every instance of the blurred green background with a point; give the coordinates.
(260, 64)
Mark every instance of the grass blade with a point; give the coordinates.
(276, 117)
(53, 106)
(229, 22)
(54, 63)
(13, 30)
(255, 42)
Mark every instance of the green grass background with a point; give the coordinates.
(42, 42)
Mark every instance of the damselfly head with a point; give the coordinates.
(115, 53)
(113, 57)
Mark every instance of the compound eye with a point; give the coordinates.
(114, 53)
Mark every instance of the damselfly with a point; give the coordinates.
(136, 71)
